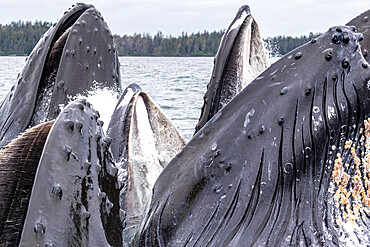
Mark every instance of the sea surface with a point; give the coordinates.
(176, 84)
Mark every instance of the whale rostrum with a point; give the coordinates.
(74, 53)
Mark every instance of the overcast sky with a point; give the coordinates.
(285, 17)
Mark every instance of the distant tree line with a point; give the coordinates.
(19, 38)
(195, 44)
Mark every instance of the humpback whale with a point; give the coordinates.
(143, 141)
(280, 164)
(240, 58)
(75, 195)
(59, 184)
(71, 55)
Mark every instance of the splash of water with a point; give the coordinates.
(103, 99)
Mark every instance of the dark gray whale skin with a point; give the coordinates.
(258, 173)
(75, 195)
(74, 52)
(362, 24)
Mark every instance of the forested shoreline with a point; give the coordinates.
(19, 38)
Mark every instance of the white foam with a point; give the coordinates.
(103, 100)
(247, 117)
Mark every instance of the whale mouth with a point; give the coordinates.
(240, 58)
(143, 142)
(21, 157)
(244, 61)
(50, 69)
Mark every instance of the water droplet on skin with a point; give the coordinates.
(365, 65)
(313, 41)
(57, 191)
(288, 168)
(316, 109)
(217, 188)
(307, 152)
(39, 228)
(214, 146)
(284, 90)
(298, 55)
(201, 135)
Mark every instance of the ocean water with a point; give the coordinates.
(176, 84)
